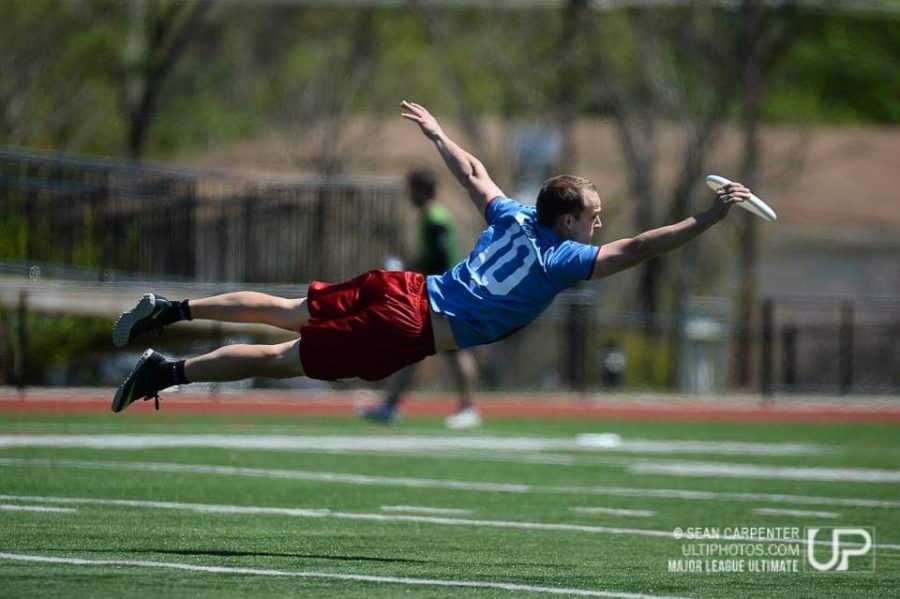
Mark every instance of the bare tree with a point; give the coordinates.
(763, 42)
(44, 91)
(692, 68)
(440, 37)
(570, 83)
(532, 63)
(159, 34)
(319, 102)
(644, 92)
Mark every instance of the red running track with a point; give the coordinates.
(630, 408)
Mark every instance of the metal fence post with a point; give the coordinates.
(765, 371)
(845, 348)
(789, 355)
(22, 342)
(575, 353)
(248, 272)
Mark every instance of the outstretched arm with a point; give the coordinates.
(623, 254)
(467, 169)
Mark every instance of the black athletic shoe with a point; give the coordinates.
(151, 313)
(142, 383)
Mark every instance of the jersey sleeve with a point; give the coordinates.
(499, 207)
(572, 262)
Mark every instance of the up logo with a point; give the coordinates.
(856, 542)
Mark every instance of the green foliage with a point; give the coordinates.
(86, 251)
(649, 357)
(67, 341)
(13, 234)
(69, 67)
(843, 69)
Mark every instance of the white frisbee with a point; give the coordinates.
(754, 204)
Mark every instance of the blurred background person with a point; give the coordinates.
(437, 253)
(613, 365)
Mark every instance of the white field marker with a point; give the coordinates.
(613, 511)
(743, 471)
(432, 582)
(458, 485)
(10, 507)
(771, 511)
(419, 509)
(583, 444)
(326, 513)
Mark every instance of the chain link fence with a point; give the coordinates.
(161, 221)
(830, 344)
(104, 223)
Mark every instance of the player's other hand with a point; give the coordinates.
(417, 113)
(729, 195)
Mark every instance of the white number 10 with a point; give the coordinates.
(489, 278)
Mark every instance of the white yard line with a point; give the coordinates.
(424, 483)
(744, 471)
(613, 511)
(326, 513)
(581, 443)
(771, 511)
(433, 582)
(420, 509)
(492, 449)
(201, 508)
(9, 507)
(518, 449)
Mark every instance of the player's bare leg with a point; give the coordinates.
(386, 411)
(154, 372)
(252, 306)
(465, 370)
(154, 312)
(398, 384)
(241, 361)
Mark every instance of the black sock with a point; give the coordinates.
(174, 312)
(184, 311)
(178, 371)
(171, 373)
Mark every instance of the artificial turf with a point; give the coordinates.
(486, 544)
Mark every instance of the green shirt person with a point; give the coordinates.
(438, 252)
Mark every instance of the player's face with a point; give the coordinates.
(589, 220)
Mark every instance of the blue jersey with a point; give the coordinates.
(512, 275)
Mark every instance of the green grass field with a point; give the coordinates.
(247, 507)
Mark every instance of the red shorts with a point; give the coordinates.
(368, 327)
